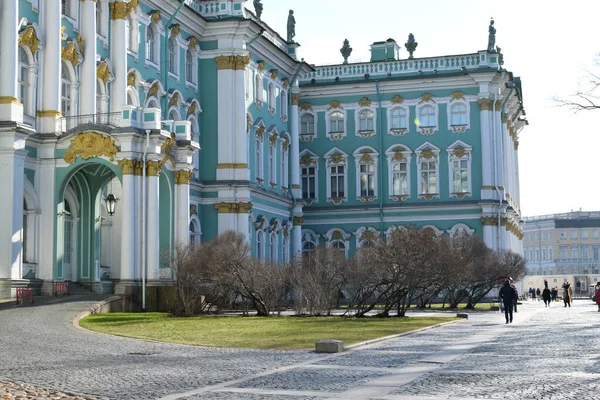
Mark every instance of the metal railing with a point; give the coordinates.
(112, 119)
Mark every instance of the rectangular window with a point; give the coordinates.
(460, 176)
(585, 252)
(537, 254)
(337, 181)
(284, 169)
(543, 254)
(549, 235)
(595, 234)
(272, 165)
(563, 234)
(595, 250)
(399, 178)
(584, 234)
(258, 159)
(428, 177)
(530, 255)
(574, 253)
(550, 254)
(308, 182)
(563, 252)
(573, 234)
(367, 180)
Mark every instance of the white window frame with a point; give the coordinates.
(358, 118)
(285, 164)
(285, 245)
(195, 52)
(133, 44)
(72, 86)
(102, 31)
(305, 137)
(73, 13)
(274, 253)
(173, 57)
(272, 159)
(400, 131)
(333, 237)
(459, 151)
(368, 157)
(397, 154)
(420, 152)
(309, 160)
(460, 127)
(158, 31)
(336, 158)
(283, 101)
(428, 129)
(258, 90)
(26, 84)
(260, 246)
(258, 159)
(335, 135)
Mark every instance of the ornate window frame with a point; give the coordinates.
(196, 235)
(389, 231)
(194, 53)
(308, 137)
(258, 89)
(73, 86)
(335, 235)
(283, 103)
(401, 131)
(29, 81)
(428, 152)
(73, 13)
(335, 107)
(272, 157)
(285, 161)
(309, 160)
(133, 44)
(396, 155)
(158, 30)
(336, 158)
(459, 151)
(460, 228)
(309, 236)
(272, 98)
(369, 157)
(366, 234)
(426, 100)
(438, 232)
(365, 133)
(259, 131)
(458, 99)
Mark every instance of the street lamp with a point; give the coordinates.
(111, 203)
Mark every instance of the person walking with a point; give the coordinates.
(516, 296)
(597, 289)
(547, 295)
(533, 295)
(567, 293)
(538, 294)
(508, 296)
(554, 293)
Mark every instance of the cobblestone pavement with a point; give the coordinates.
(547, 353)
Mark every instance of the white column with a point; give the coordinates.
(153, 218)
(118, 55)
(295, 145)
(231, 105)
(12, 164)
(297, 239)
(128, 246)
(51, 71)
(47, 219)
(10, 108)
(87, 103)
(489, 237)
(182, 205)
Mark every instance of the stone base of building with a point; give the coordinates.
(5, 289)
(159, 295)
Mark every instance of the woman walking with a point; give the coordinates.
(547, 295)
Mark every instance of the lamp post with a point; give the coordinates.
(111, 203)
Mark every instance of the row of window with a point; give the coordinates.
(274, 252)
(564, 235)
(399, 172)
(566, 253)
(398, 120)
(273, 163)
(270, 94)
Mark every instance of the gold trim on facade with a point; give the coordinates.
(364, 102)
(131, 78)
(138, 168)
(397, 99)
(155, 16)
(233, 62)
(298, 221)
(175, 30)
(274, 73)
(296, 100)
(426, 97)
(296, 186)
(498, 105)
(91, 144)
(193, 209)
(305, 106)
(193, 43)
(182, 177)
(153, 168)
(127, 166)
(233, 208)
(29, 38)
(232, 166)
(334, 104)
(102, 72)
(458, 95)
(69, 53)
(485, 104)
(9, 100)
(48, 113)
(118, 10)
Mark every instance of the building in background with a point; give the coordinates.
(561, 247)
(127, 127)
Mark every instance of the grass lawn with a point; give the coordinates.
(252, 332)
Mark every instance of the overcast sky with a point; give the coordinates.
(548, 44)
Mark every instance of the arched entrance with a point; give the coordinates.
(88, 237)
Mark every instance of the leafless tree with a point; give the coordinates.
(587, 97)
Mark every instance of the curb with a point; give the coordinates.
(93, 310)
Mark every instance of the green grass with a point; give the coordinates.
(252, 332)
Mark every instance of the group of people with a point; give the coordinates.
(547, 294)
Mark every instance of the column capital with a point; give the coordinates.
(485, 104)
(233, 62)
(298, 221)
(183, 177)
(154, 167)
(233, 208)
(127, 166)
(119, 10)
(295, 99)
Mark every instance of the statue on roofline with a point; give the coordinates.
(258, 8)
(492, 38)
(291, 27)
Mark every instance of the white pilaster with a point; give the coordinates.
(182, 206)
(118, 55)
(12, 164)
(152, 220)
(488, 236)
(485, 107)
(297, 241)
(295, 145)
(48, 217)
(51, 71)
(10, 108)
(128, 245)
(87, 104)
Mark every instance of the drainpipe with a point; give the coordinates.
(144, 205)
(380, 158)
(501, 145)
(165, 62)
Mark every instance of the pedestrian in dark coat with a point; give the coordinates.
(567, 293)
(508, 296)
(547, 296)
(538, 293)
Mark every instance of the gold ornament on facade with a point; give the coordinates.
(498, 105)
(165, 150)
(459, 128)
(80, 42)
(364, 102)
(337, 235)
(398, 156)
(153, 168)
(118, 10)
(366, 199)
(193, 209)
(248, 122)
(138, 168)
(127, 166)
(427, 196)
(174, 100)
(298, 221)
(305, 106)
(236, 208)
(258, 132)
(183, 177)
(241, 62)
(90, 144)
(274, 73)
(367, 235)
(29, 38)
(192, 109)
(155, 16)
(131, 78)
(333, 136)
(485, 104)
(460, 196)
(336, 159)
(457, 96)
(366, 157)
(426, 131)
(193, 43)
(365, 134)
(153, 91)
(69, 53)
(398, 199)
(307, 161)
(273, 140)
(286, 83)
(489, 221)
(426, 97)
(334, 104)
(427, 154)
(260, 66)
(516, 145)
(63, 35)
(397, 100)
(459, 152)
(102, 72)
(285, 145)
(398, 132)
(175, 30)
(296, 99)
(132, 6)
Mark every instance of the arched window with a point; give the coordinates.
(398, 119)
(272, 99)
(153, 104)
(273, 244)
(336, 122)
(307, 124)
(338, 244)
(307, 249)
(150, 44)
(258, 87)
(172, 56)
(365, 120)
(23, 78)
(285, 249)
(65, 105)
(427, 116)
(259, 245)
(459, 114)
(189, 67)
(284, 104)
(173, 115)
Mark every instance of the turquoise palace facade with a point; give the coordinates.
(199, 118)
